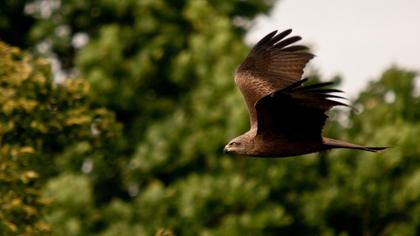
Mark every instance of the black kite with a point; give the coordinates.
(286, 116)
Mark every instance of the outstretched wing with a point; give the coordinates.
(273, 64)
(296, 112)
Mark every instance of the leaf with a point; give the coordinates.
(28, 176)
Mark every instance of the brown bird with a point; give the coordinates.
(286, 116)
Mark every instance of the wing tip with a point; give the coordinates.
(272, 33)
(279, 40)
(289, 30)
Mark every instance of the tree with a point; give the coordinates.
(38, 119)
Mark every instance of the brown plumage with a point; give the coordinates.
(286, 116)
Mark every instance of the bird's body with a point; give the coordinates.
(286, 117)
(277, 146)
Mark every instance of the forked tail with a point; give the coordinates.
(332, 143)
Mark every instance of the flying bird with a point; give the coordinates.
(286, 116)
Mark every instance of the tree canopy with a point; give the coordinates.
(131, 142)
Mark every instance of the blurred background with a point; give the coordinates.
(114, 115)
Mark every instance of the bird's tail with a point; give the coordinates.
(332, 143)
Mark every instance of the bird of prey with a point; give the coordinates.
(286, 116)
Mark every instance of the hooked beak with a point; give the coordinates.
(226, 149)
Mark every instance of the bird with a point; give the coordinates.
(286, 116)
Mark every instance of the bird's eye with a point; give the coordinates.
(234, 144)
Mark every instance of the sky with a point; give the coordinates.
(356, 39)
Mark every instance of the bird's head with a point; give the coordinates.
(237, 146)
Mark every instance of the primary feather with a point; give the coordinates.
(270, 66)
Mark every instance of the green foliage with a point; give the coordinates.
(143, 52)
(20, 203)
(38, 119)
(165, 69)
